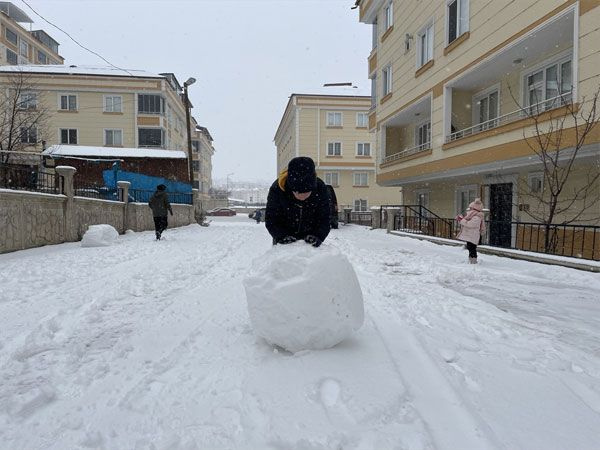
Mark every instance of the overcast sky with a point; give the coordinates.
(247, 55)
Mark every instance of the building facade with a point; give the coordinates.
(20, 46)
(333, 131)
(202, 152)
(457, 87)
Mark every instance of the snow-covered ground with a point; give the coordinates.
(147, 345)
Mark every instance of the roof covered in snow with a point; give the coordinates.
(337, 90)
(111, 152)
(106, 71)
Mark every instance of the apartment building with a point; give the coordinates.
(98, 106)
(202, 152)
(455, 84)
(333, 131)
(21, 46)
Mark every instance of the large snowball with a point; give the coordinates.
(99, 236)
(304, 298)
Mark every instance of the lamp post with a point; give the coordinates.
(189, 82)
(227, 188)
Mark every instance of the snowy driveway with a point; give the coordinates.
(147, 345)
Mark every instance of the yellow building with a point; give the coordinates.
(99, 106)
(20, 46)
(455, 84)
(333, 131)
(202, 152)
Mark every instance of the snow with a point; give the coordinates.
(303, 298)
(100, 236)
(148, 345)
(112, 152)
(79, 70)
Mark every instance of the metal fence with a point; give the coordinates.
(29, 179)
(143, 196)
(92, 189)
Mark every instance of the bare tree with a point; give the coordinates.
(558, 139)
(22, 116)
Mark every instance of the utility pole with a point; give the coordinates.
(189, 82)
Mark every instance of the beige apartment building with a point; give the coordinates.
(20, 46)
(333, 131)
(454, 86)
(202, 152)
(98, 106)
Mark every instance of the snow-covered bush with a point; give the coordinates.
(99, 236)
(302, 298)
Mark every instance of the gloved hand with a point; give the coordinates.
(459, 218)
(287, 240)
(313, 240)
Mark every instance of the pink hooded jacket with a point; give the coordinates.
(472, 226)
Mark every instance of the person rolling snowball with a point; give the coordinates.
(472, 226)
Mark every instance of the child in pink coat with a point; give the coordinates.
(472, 226)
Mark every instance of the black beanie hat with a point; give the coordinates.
(302, 176)
(161, 187)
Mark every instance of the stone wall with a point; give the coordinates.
(31, 219)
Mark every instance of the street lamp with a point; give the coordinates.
(227, 188)
(189, 82)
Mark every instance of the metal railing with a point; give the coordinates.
(418, 219)
(143, 196)
(94, 189)
(407, 152)
(532, 110)
(29, 179)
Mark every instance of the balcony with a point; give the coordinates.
(529, 77)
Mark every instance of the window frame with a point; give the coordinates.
(386, 80)
(334, 143)
(360, 207)
(458, 196)
(112, 97)
(532, 176)
(359, 153)
(388, 15)
(359, 175)
(430, 25)
(366, 120)
(331, 176)
(459, 9)
(163, 137)
(556, 60)
(29, 134)
(45, 61)
(112, 130)
(16, 57)
(162, 108)
(334, 114)
(68, 95)
(22, 43)
(10, 30)
(28, 104)
(475, 108)
(68, 130)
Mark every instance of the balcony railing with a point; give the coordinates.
(532, 110)
(407, 152)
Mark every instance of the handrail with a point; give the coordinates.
(407, 152)
(531, 110)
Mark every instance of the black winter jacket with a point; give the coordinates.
(159, 203)
(286, 216)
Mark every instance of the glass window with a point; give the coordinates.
(487, 110)
(549, 87)
(361, 179)
(360, 205)
(28, 100)
(423, 135)
(195, 146)
(68, 102)
(334, 119)
(363, 149)
(332, 178)
(113, 103)
(362, 120)
(389, 15)
(387, 80)
(458, 19)
(113, 138)
(42, 57)
(11, 36)
(374, 92)
(29, 135)
(334, 149)
(68, 136)
(24, 48)
(151, 104)
(425, 46)
(536, 183)
(11, 57)
(374, 35)
(465, 195)
(150, 137)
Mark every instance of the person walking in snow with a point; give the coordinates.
(159, 203)
(472, 226)
(298, 205)
(258, 216)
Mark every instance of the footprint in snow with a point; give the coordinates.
(329, 391)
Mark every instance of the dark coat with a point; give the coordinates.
(159, 203)
(286, 216)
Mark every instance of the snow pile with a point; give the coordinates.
(302, 298)
(99, 236)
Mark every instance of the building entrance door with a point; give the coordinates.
(500, 214)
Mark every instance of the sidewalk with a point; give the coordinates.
(565, 261)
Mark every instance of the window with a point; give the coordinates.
(360, 205)
(374, 36)
(11, 57)
(423, 136)
(113, 138)
(536, 182)
(334, 119)
(464, 196)
(374, 92)
(332, 178)
(68, 102)
(24, 48)
(363, 149)
(334, 149)
(150, 137)
(362, 120)
(388, 14)
(29, 135)
(458, 18)
(113, 103)
(151, 104)
(361, 179)
(11, 36)
(41, 57)
(28, 100)
(195, 146)
(387, 80)
(68, 136)
(425, 45)
(486, 110)
(549, 87)
(196, 166)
